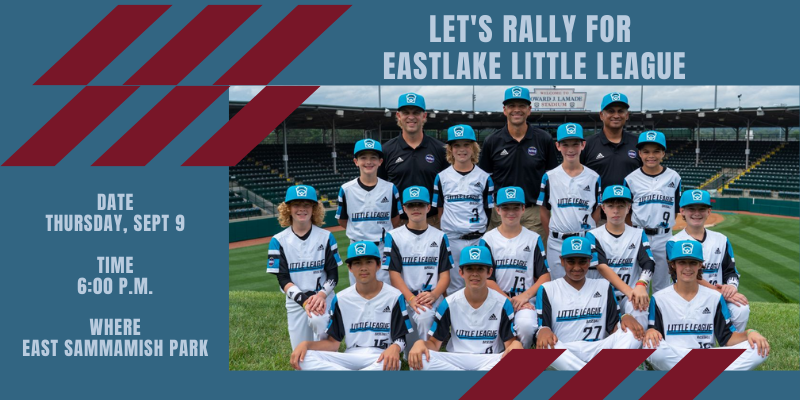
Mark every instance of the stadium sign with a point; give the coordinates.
(558, 99)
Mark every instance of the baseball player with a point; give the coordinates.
(570, 193)
(368, 206)
(581, 315)
(623, 254)
(462, 194)
(656, 192)
(306, 260)
(477, 322)
(371, 317)
(687, 315)
(719, 267)
(418, 259)
(520, 262)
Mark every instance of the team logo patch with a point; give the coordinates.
(697, 195)
(516, 92)
(320, 248)
(618, 191)
(493, 318)
(706, 311)
(571, 129)
(632, 153)
(577, 244)
(414, 192)
(632, 246)
(271, 262)
(383, 259)
(474, 254)
(369, 144)
(511, 193)
(361, 248)
(387, 309)
(458, 131)
(411, 98)
(615, 96)
(687, 248)
(532, 151)
(301, 191)
(429, 158)
(597, 294)
(651, 136)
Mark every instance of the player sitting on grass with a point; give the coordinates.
(719, 267)
(418, 259)
(520, 263)
(478, 322)
(306, 260)
(623, 254)
(570, 193)
(463, 195)
(368, 206)
(581, 315)
(370, 316)
(688, 316)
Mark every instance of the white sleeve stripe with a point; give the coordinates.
(274, 252)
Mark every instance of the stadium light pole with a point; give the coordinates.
(379, 96)
(285, 153)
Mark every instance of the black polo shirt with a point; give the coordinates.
(612, 161)
(522, 163)
(405, 166)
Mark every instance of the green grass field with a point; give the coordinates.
(767, 252)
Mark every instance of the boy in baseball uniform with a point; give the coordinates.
(656, 192)
(370, 316)
(581, 315)
(520, 262)
(687, 315)
(477, 322)
(719, 267)
(305, 259)
(368, 206)
(569, 193)
(462, 194)
(418, 259)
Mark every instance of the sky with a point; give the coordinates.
(489, 98)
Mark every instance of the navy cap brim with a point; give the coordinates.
(687, 257)
(409, 105)
(351, 259)
(380, 153)
(617, 102)
(462, 265)
(516, 99)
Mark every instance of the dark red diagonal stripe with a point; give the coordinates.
(692, 374)
(251, 125)
(70, 125)
(160, 126)
(102, 45)
(602, 374)
(192, 45)
(512, 374)
(282, 45)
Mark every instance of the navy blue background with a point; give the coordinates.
(725, 43)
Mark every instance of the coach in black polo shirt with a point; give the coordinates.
(413, 159)
(519, 155)
(612, 153)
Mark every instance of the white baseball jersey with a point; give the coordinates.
(518, 262)
(589, 314)
(719, 266)
(377, 322)
(368, 210)
(571, 201)
(628, 255)
(655, 198)
(419, 256)
(465, 199)
(311, 262)
(691, 324)
(475, 331)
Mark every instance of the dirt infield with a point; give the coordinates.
(712, 220)
(265, 240)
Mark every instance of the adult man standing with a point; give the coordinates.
(413, 159)
(518, 155)
(612, 152)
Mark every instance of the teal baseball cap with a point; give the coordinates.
(686, 250)
(617, 192)
(300, 192)
(614, 98)
(696, 196)
(576, 246)
(460, 132)
(517, 93)
(510, 195)
(368, 145)
(411, 99)
(416, 194)
(362, 249)
(476, 255)
(569, 131)
(652, 137)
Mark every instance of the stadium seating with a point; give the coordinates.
(714, 156)
(778, 170)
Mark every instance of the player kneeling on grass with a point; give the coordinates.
(581, 315)
(478, 322)
(306, 260)
(719, 267)
(688, 316)
(623, 254)
(369, 315)
(520, 263)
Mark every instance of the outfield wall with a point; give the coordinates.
(263, 227)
